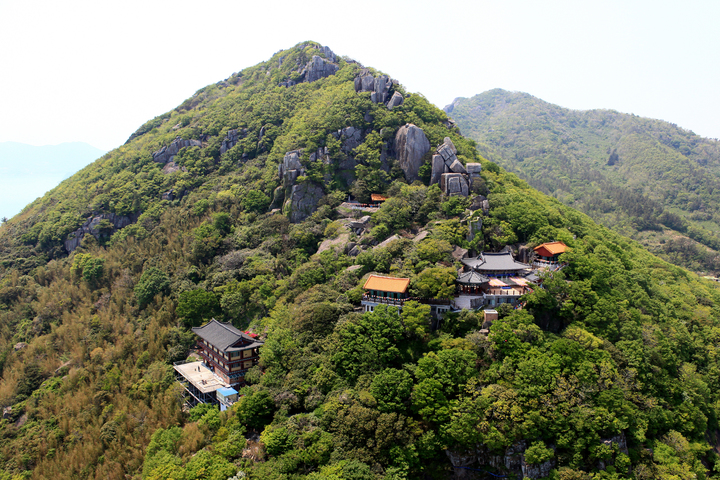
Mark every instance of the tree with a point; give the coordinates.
(438, 282)
(391, 389)
(255, 201)
(255, 410)
(196, 306)
(152, 282)
(370, 343)
(416, 318)
(433, 250)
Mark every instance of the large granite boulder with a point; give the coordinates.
(303, 201)
(411, 145)
(167, 153)
(473, 170)
(438, 168)
(457, 167)
(395, 101)
(454, 184)
(381, 90)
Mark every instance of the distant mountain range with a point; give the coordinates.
(647, 179)
(27, 171)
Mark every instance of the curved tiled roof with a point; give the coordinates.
(223, 336)
(472, 277)
(555, 248)
(387, 284)
(494, 262)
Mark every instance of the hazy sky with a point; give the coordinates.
(95, 71)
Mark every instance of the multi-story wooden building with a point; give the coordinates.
(227, 351)
(384, 290)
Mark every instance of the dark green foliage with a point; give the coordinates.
(255, 409)
(197, 306)
(391, 389)
(152, 282)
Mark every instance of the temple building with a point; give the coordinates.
(547, 254)
(384, 290)
(227, 351)
(491, 279)
(496, 265)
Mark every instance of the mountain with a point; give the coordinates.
(647, 179)
(233, 206)
(27, 171)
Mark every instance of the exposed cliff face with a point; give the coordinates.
(99, 226)
(167, 154)
(303, 201)
(512, 462)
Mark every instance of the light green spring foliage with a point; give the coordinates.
(617, 343)
(644, 178)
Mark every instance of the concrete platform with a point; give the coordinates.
(200, 377)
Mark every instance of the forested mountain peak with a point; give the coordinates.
(266, 201)
(648, 179)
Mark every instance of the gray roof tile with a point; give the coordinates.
(223, 336)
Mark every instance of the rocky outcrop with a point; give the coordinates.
(359, 225)
(291, 168)
(303, 201)
(511, 461)
(386, 242)
(474, 227)
(446, 166)
(619, 445)
(172, 167)
(167, 154)
(351, 138)
(396, 100)
(473, 170)
(411, 145)
(317, 68)
(231, 139)
(379, 88)
(300, 199)
(454, 184)
(95, 227)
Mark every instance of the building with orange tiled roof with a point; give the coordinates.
(384, 290)
(549, 252)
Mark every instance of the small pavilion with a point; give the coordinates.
(548, 253)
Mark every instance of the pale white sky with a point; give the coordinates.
(94, 71)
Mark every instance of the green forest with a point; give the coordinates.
(609, 371)
(647, 179)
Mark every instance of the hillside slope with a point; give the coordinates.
(230, 206)
(647, 179)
